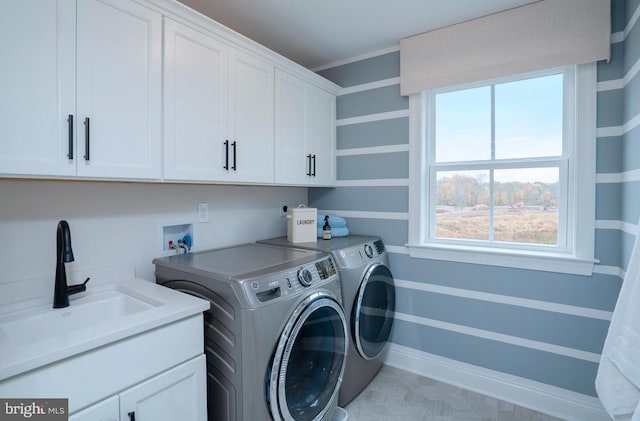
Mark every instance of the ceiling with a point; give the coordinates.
(316, 33)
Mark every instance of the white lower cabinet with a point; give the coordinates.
(177, 394)
(107, 410)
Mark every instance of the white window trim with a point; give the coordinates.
(579, 255)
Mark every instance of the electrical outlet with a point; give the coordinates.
(203, 212)
(283, 209)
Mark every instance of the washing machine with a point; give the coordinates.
(275, 334)
(368, 295)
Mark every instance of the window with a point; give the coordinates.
(503, 171)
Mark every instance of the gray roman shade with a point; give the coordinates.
(540, 35)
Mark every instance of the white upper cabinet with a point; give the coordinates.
(195, 104)
(251, 113)
(218, 119)
(119, 89)
(37, 86)
(118, 77)
(320, 136)
(94, 89)
(305, 132)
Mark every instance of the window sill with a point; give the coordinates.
(548, 262)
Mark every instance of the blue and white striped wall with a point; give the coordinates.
(529, 337)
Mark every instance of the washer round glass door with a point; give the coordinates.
(309, 360)
(373, 311)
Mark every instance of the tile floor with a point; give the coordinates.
(396, 395)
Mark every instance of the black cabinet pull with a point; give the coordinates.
(87, 132)
(226, 153)
(309, 165)
(314, 166)
(234, 156)
(132, 415)
(70, 122)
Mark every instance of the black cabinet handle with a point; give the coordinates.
(234, 156)
(226, 152)
(309, 165)
(314, 166)
(70, 122)
(87, 132)
(132, 415)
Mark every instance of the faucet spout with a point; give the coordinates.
(64, 254)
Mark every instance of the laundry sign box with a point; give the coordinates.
(301, 224)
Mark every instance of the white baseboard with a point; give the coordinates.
(530, 394)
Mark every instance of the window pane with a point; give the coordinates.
(526, 205)
(463, 125)
(462, 205)
(528, 117)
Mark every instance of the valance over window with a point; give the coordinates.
(541, 35)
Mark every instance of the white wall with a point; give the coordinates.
(113, 223)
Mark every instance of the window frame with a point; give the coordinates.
(575, 250)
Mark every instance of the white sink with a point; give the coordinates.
(88, 311)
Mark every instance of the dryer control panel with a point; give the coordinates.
(357, 255)
(263, 290)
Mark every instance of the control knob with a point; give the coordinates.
(368, 251)
(305, 277)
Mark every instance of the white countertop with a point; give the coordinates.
(29, 350)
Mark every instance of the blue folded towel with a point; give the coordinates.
(336, 232)
(334, 220)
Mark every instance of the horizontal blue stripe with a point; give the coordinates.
(394, 131)
(373, 69)
(607, 249)
(609, 155)
(630, 9)
(617, 15)
(631, 202)
(392, 231)
(631, 148)
(373, 166)
(632, 47)
(554, 328)
(608, 197)
(632, 99)
(372, 101)
(557, 370)
(377, 199)
(628, 242)
(614, 68)
(610, 108)
(598, 291)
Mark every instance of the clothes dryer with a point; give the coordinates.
(368, 296)
(275, 334)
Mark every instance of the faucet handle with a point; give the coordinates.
(74, 289)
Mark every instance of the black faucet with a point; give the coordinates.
(64, 255)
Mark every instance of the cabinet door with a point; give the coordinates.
(195, 105)
(251, 96)
(107, 410)
(292, 166)
(320, 135)
(37, 86)
(119, 89)
(177, 394)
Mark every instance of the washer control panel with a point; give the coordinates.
(263, 290)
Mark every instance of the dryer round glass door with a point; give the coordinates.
(373, 311)
(309, 360)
